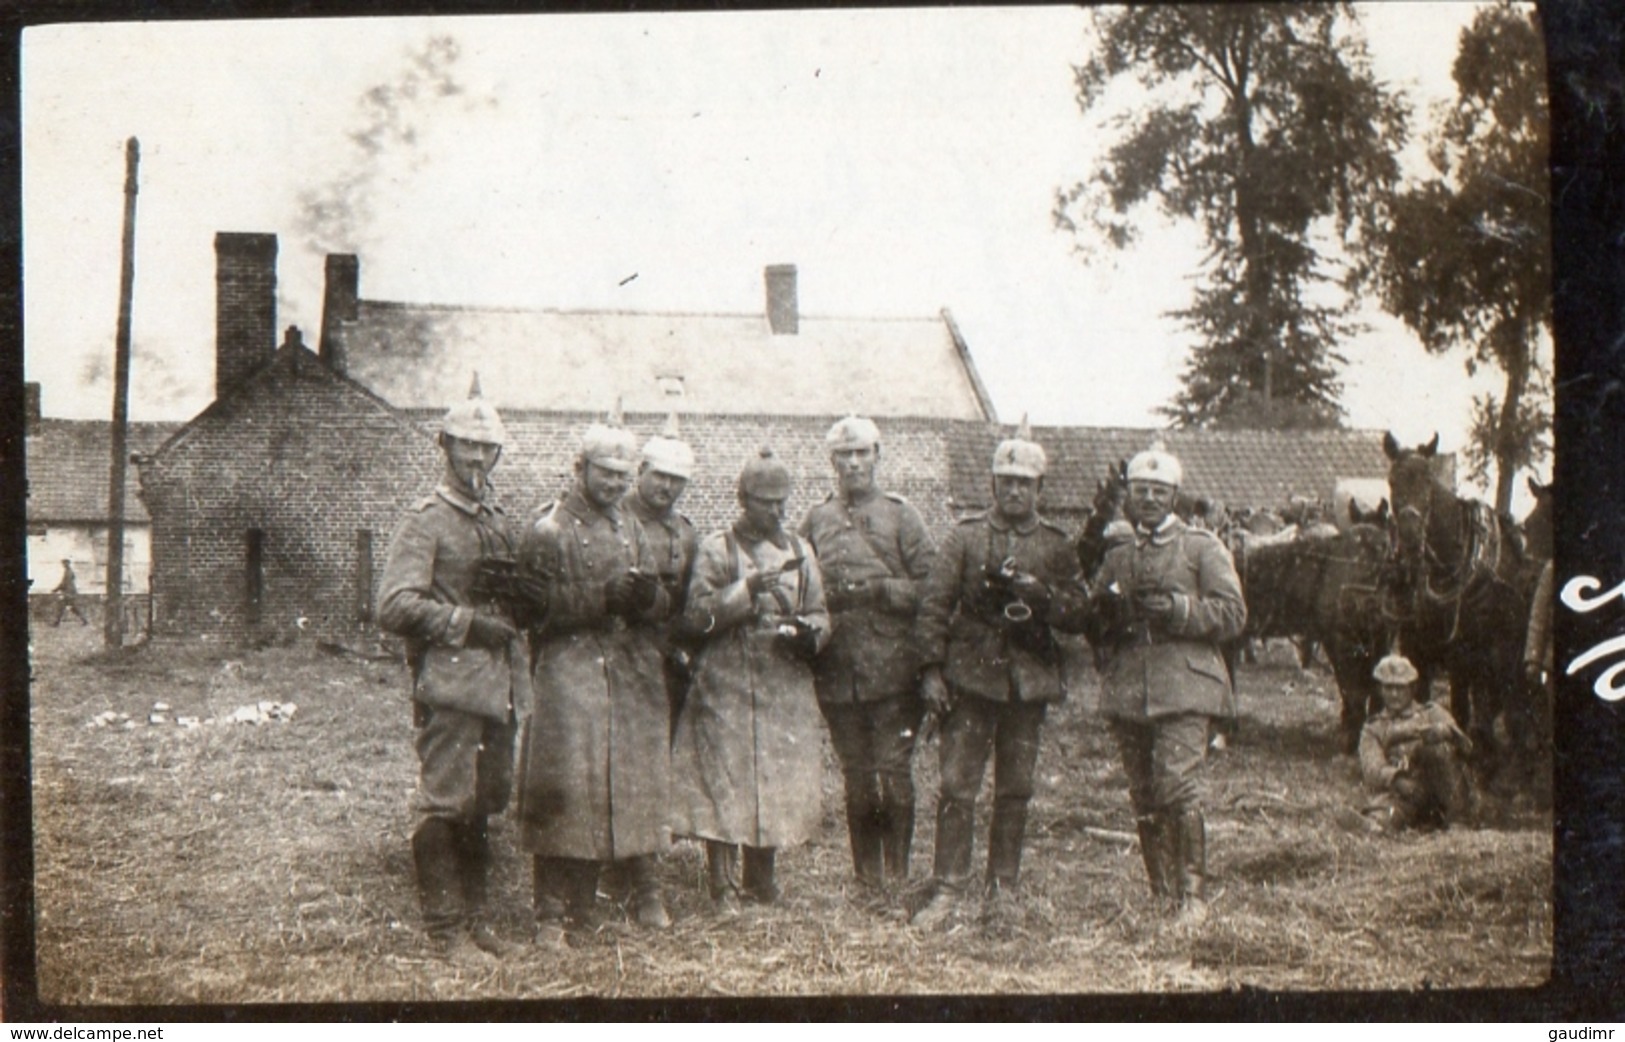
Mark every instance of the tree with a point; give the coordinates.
(1467, 260)
(1265, 126)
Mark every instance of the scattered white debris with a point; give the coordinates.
(260, 713)
(157, 718)
(187, 721)
(160, 707)
(216, 797)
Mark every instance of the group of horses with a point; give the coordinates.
(1440, 578)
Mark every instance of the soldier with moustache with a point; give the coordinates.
(595, 773)
(875, 553)
(1164, 601)
(1003, 582)
(450, 588)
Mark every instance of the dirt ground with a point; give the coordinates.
(247, 842)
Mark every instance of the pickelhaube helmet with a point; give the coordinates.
(1020, 456)
(669, 454)
(1156, 464)
(474, 419)
(765, 477)
(1395, 669)
(610, 445)
(853, 432)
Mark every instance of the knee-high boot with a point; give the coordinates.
(477, 864)
(897, 832)
(440, 883)
(862, 812)
(1008, 830)
(759, 882)
(1192, 869)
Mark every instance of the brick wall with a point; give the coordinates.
(301, 456)
(245, 306)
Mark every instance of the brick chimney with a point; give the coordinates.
(783, 317)
(244, 306)
(31, 411)
(339, 306)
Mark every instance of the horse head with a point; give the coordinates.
(1537, 527)
(1415, 490)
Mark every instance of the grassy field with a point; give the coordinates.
(228, 861)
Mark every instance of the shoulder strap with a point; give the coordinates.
(730, 545)
(804, 572)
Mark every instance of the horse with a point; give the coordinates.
(1111, 492)
(1457, 592)
(1322, 587)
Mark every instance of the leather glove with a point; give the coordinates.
(761, 581)
(484, 631)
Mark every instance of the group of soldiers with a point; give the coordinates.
(659, 684)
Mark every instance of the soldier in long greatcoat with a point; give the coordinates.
(875, 553)
(594, 773)
(747, 758)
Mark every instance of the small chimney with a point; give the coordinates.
(338, 307)
(783, 316)
(31, 411)
(244, 306)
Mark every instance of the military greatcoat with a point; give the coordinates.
(747, 756)
(874, 552)
(595, 764)
(1174, 667)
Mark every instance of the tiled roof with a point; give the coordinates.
(68, 463)
(1239, 468)
(419, 356)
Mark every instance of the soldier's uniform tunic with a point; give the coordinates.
(467, 696)
(1002, 678)
(673, 543)
(1410, 763)
(875, 552)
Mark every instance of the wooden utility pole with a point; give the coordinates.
(113, 610)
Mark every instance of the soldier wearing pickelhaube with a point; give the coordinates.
(663, 473)
(1164, 601)
(747, 763)
(1003, 582)
(594, 776)
(450, 589)
(875, 553)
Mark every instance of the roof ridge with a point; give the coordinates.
(514, 309)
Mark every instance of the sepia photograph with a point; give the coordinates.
(794, 504)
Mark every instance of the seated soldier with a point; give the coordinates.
(1411, 756)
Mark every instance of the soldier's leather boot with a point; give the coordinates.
(758, 876)
(648, 909)
(1193, 909)
(897, 832)
(722, 876)
(440, 888)
(956, 823)
(549, 906)
(477, 864)
(1004, 841)
(1153, 852)
(861, 826)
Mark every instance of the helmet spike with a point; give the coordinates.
(474, 385)
(671, 429)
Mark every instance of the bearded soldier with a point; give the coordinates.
(875, 552)
(450, 589)
(594, 774)
(1004, 580)
(747, 761)
(1164, 602)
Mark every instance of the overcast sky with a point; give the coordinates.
(905, 160)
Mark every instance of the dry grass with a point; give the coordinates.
(245, 864)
